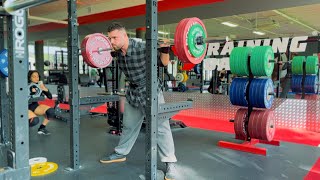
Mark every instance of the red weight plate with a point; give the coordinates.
(105, 56)
(270, 126)
(187, 66)
(262, 125)
(178, 38)
(182, 46)
(181, 41)
(90, 50)
(83, 52)
(173, 49)
(253, 127)
(239, 124)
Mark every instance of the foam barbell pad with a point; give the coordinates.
(238, 91)
(262, 61)
(239, 60)
(261, 93)
(240, 121)
(262, 125)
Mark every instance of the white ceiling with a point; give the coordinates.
(285, 22)
(274, 23)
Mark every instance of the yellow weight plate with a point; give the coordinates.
(185, 77)
(41, 169)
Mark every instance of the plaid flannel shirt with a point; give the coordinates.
(133, 65)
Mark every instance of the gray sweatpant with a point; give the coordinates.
(132, 121)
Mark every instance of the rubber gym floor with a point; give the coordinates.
(199, 157)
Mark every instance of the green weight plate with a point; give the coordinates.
(297, 65)
(239, 61)
(312, 65)
(260, 61)
(195, 31)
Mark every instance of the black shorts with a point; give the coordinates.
(33, 106)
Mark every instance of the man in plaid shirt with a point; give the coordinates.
(131, 57)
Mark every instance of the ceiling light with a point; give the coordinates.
(164, 33)
(259, 33)
(230, 24)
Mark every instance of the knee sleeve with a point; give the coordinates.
(33, 121)
(50, 113)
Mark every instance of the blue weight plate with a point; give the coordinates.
(238, 92)
(4, 63)
(311, 84)
(296, 83)
(259, 93)
(182, 87)
(241, 93)
(258, 99)
(254, 92)
(233, 91)
(268, 89)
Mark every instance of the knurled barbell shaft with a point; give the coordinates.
(99, 50)
(200, 42)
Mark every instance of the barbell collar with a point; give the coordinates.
(200, 40)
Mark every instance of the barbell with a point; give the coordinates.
(11, 6)
(190, 44)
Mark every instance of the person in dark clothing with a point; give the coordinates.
(101, 78)
(131, 58)
(221, 77)
(36, 109)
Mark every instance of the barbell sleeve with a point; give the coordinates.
(11, 6)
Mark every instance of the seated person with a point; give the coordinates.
(36, 109)
(220, 79)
